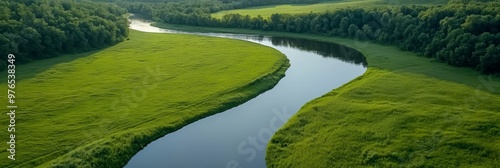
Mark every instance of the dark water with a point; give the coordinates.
(238, 137)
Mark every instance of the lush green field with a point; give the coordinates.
(404, 111)
(419, 114)
(98, 109)
(266, 11)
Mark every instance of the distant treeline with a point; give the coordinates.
(462, 33)
(36, 29)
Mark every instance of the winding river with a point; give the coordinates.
(237, 137)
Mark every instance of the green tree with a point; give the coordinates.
(352, 30)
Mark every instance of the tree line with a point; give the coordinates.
(37, 29)
(461, 33)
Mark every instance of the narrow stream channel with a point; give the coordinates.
(238, 137)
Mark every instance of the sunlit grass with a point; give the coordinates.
(100, 108)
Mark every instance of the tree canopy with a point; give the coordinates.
(36, 29)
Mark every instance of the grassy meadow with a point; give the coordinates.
(100, 108)
(267, 11)
(405, 111)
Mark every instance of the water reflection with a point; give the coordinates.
(324, 49)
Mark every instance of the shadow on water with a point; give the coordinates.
(324, 49)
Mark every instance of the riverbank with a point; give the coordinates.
(100, 108)
(405, 111)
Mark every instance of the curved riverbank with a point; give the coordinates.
(405, 111)
(118, 148)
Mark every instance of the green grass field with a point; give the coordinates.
(405, 111)
(267, 11)
(100, 108)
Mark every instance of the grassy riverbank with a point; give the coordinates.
(404, 111)
(98, 109)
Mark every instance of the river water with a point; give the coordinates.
(237, 137)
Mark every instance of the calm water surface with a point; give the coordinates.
(238, 137)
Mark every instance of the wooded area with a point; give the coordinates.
(36, 29)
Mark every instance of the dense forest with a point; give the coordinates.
(36, 29)
(462, 33)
